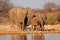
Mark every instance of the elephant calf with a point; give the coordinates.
(38, 21)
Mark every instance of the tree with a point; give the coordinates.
(4, 6)
(49, 6)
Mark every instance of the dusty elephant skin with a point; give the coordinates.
(17, 16)
(38, 21)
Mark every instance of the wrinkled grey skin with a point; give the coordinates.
(38, 20)
(17, 16)
(43, 17)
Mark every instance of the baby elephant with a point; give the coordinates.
(38, 21)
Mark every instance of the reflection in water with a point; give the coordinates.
(5, 37)
(52, 36)
(29, 37)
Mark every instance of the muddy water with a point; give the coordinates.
(29, 37)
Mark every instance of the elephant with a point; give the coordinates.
(38, 21)
(18, 16)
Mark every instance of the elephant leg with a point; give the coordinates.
(31, 28)
(38, 28)
(18, 24)
(22, 25)
(41, 25)
(12, 23)
(34, 27)
(25, 23)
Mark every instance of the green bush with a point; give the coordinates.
(51, 18)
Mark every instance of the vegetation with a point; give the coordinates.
(5, 6)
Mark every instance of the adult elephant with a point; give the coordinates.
(38, 21)
(18, 16)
